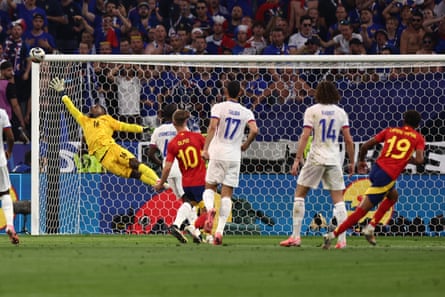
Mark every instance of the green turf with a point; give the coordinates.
(120, 265)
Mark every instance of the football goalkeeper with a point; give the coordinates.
(98, 128)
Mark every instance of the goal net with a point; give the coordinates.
(73, 194)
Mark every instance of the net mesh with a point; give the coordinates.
(77, 196)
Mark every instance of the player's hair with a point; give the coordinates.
(233, 87)
(326, 93)
(412, 118)
(168, 111)
(180, 116)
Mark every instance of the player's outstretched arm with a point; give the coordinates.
(58, 85)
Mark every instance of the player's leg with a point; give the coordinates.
(334, 182)
(340, 214)
(224, 212)
(308, 178)
(7, 204)
(368, 231)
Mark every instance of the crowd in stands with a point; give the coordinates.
(258, 27)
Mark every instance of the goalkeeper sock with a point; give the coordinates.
(340, 214)
(183, 213)
(381, 210)
(297, 216)
(148, 175)
(209, 199)
(8, 209)
(350, 221)
(224, 212)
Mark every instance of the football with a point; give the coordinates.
(37, 54)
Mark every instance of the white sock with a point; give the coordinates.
(182, 214)
(297, 216)
(8, 209)
(224, 212)
(209, 199)
(192, 218)
(340, 214)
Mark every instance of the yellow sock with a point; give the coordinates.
(148, 176)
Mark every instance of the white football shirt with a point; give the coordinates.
(327, 122)
(160, 138)
(233, 118)
(4, 123)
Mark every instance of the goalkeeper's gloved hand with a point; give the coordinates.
(58, 85)
(147, 129)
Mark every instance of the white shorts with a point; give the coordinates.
(331, 176)
(5, 182)
(223, 172)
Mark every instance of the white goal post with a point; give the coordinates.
(375, 89)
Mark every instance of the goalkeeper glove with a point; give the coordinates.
(58, 85)
(147, 129)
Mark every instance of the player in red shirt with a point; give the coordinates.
(399, 145)
(186, 147)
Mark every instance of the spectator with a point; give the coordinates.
(368, 27)
(116, 17)
(68, 35)
(317, 26)
(430, 20)
(216, 8)
(340, 15)
(124, 46)
(242, 46)
(257, 40)
(234, 21)
(200, 46)
(146, 16)
(310, 47)
(298, 40)
(277, 46)
(214, 40)
(16, 52)
(88, 38)
(341, 41)
(37, 37)
(54, 14)
(128, 79)
(137, 44)
(392, 25)
(203, 19)
(356, 47)
(9, 101)
(178, 47)
(411, 38)
(26, 12)
(106, 32)
(159, 45)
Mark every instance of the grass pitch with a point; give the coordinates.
(157, 265)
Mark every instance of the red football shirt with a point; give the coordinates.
(186, 147)
(399, 145)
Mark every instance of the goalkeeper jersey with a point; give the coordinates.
(98, 132)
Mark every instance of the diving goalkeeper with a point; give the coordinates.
(98, 128)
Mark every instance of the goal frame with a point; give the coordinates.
(358, 61)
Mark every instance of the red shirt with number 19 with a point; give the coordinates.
(399, 145)
(186, 147)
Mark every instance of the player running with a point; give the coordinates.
(399, 144)
(186, 147)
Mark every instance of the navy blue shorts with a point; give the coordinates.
(194, 193)
(381, 184)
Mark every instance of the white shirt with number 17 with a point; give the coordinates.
(327, 122)
(233, 118)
